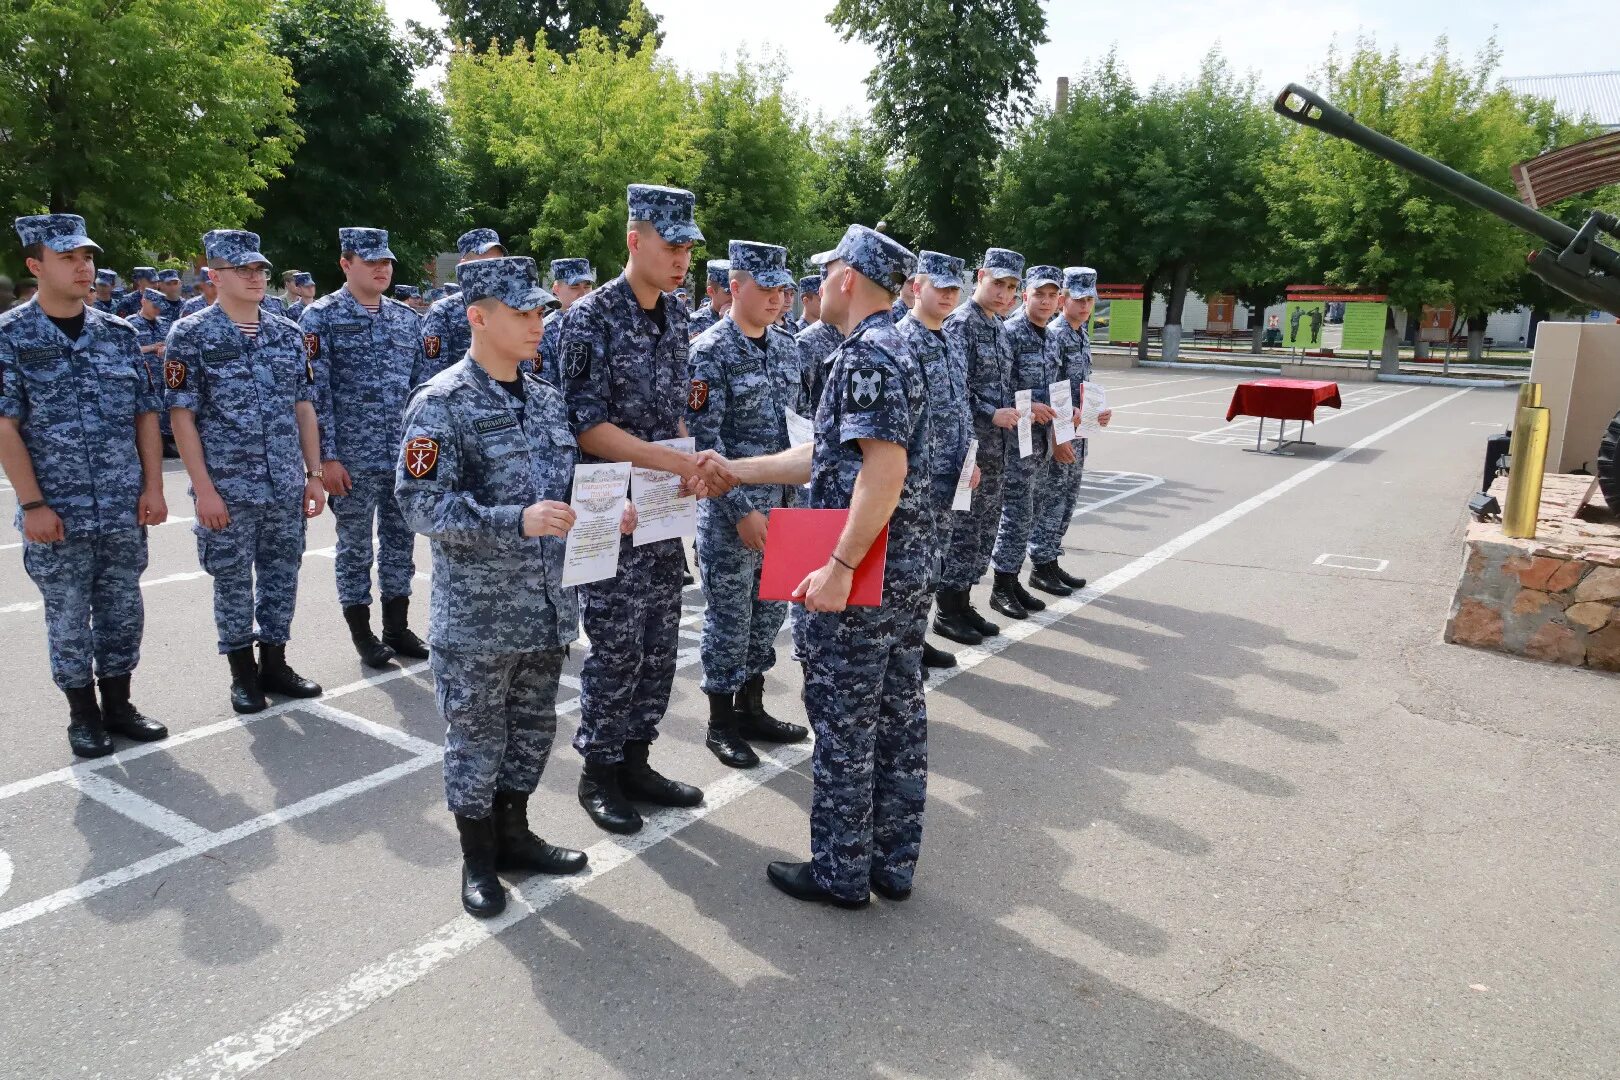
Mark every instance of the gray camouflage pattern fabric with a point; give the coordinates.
(816, 344)
(238, 247)
(59, 232)
(478, 241)
(1035, 368)
(1079, 282)
(668, 209)
(984, 345)
(573, 271)
(1060, 489)
(876, 257)
(1003, 263)
(369, 244)
(513, 280)
(446, 337)
(767, 263)
(950, 425)
(500, 714)
(701, 320)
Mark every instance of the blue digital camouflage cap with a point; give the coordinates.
(810, 285)
(766, 262)
(147, 273)
(168, 275)
(1042, 274)
(234, 247)
(153, 295)
(668, 209)
(876, 257)
(435, 294)
(1080, 282)
(572, 271)
(303, 277)
(1003, 263)
(475, 241)
(106, 277)
(406, 292)
(369, 244)
(59, 232)
(944, 271)
(514, 280)
(451, 288)
(717, 271)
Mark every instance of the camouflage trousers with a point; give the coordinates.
(254, 563)
(94, 616)
(739, 629)
(1018, 500)
(370, 504)
(1059, 491)
(863, 692)
(973, 533)
(943, 491)
(633, 622)
(500, 714)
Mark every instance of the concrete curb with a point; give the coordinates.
(1414, 380)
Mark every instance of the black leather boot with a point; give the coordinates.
(603, 799)
(373, 653)
(516, 848)
(120, 717)
(757, 724)
(481, 892)
(723, 741)
(397, 633)
(641, 782)
(937, 658)
(1026, 599)
(1075, 583)
(246, 694)
(1043, 576)
(979, 622)
(87, 734)
(276, 677)
(1004, 599)
(887, 891)
(951, 620)
(795, 880)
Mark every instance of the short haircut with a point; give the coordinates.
(34, 251)
(287, 277)
(739, 275)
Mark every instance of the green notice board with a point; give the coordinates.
(1123, 321)
(1302, 324)
(1363, 327)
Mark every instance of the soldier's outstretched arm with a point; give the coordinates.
(786, 467)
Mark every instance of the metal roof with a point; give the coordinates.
(1596, 93)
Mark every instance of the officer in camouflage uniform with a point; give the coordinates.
(1035, 368)
(719, 297)
(207, 293)
(816, 344)
(142, 277)
(151, 327)
(938, 283)
(1061, 488)
(168, 284)
(570, 280)
(786, 320)
(406, 293)
(79, 443)
(745, 372)
(241, 394)
(106, 281)
(485, 469)
(977, 330)
(626, 379)
(863, 676)
(303, 289)
(367, 354)
(444, 330)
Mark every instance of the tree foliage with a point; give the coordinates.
(850, 182)
(156, 121)
(557, 25)
(952, 76)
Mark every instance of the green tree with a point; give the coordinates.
(156, 121)
(951, 77)
(558, 25)
(376, 148)
(850, 182)
(555, 139)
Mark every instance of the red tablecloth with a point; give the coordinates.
(1283, 399)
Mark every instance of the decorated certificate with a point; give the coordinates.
(592, 550)
(662, 512)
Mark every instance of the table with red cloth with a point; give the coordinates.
(1282, 400)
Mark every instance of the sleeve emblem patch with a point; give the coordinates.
(577, 359)
(430, 346)
(865, 387)
(312, 346)
(422, 457)
(174, 374)
(697, 399)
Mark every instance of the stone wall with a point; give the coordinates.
(1555, 597)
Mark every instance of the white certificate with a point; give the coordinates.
(1024, 400)
(592, 550)
(964, 490)
(800, 430)
(1093, 402)
(662, 512)
(1063, 405)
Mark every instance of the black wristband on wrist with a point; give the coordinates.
(842, 563)
(35, 505)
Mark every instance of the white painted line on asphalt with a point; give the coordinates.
(1128, 405)
(391, 735)
(252, 1049)
(1354, 403)
(1148, 482)
(1125, 388)
(5, 872)
(1351, 562)
(139, 808)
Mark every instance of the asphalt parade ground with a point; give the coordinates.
(1234, 811)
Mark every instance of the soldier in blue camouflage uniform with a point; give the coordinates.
(718, 288)
(786, 321)
(745, 373)
(367, 353)
(241, 396)
(570, 280)
(151, 327)
(816, 343)
(977, 331)
(485, 468)
(106, 281)
(938, 284)
(142, 277)
(168, 285)
(626, 379)
(303, 291)
(1035, 368)
(1061, 488)
(207, 293)
(863, 676)
(444, 331)
(79, 444)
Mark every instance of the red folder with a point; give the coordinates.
(799, 542)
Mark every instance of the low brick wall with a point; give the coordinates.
(1554, 598)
